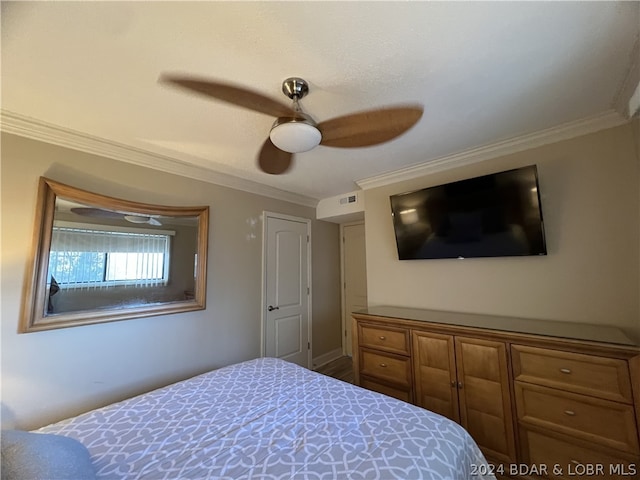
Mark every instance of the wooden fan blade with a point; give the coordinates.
(96, 212)
(273, 160)
(369, 128)
(235, 95)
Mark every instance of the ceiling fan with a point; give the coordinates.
(129, 217)
(295, 131)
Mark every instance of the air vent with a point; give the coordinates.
(348, 199)
(347, 207)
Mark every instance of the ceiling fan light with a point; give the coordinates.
(136, 218)
(295, 135)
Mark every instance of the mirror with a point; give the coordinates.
(100, 259)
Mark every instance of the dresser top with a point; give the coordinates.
(549, 328)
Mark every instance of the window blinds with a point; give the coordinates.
(88, 257)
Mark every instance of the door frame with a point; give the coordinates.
(343, 298)
(263, 317)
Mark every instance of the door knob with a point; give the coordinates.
(271, 308)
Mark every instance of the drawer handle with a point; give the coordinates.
(565, 370)
(571, 413)
(382, 337)
(383, 365)
(454, 384)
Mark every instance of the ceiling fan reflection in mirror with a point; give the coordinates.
(294, 131)
(129, 217)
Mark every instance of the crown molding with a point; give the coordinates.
(608, 119)
(17, 124)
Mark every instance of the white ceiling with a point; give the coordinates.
(484, 71)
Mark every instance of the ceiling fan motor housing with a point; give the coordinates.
(294, 87)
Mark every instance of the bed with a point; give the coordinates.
(270, 419)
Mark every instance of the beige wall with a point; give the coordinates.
(590, 191)
(47, 376)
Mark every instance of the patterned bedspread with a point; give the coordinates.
(270, 419)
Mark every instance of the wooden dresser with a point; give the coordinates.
(542, 399)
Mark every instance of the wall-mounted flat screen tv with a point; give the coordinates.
(495, 215)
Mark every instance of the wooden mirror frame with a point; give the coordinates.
(33, 316)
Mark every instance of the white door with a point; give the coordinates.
(286, 314)
(354, 261)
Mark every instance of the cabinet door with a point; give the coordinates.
(435, 374)
(485, 406)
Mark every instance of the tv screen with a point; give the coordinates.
(494, 215)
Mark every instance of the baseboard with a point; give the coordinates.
(326, 358)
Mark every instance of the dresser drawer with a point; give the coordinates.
(390, 339)
(587, 374)
(392, 368)
(601, 421)
(400, 394)
(571, 459)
